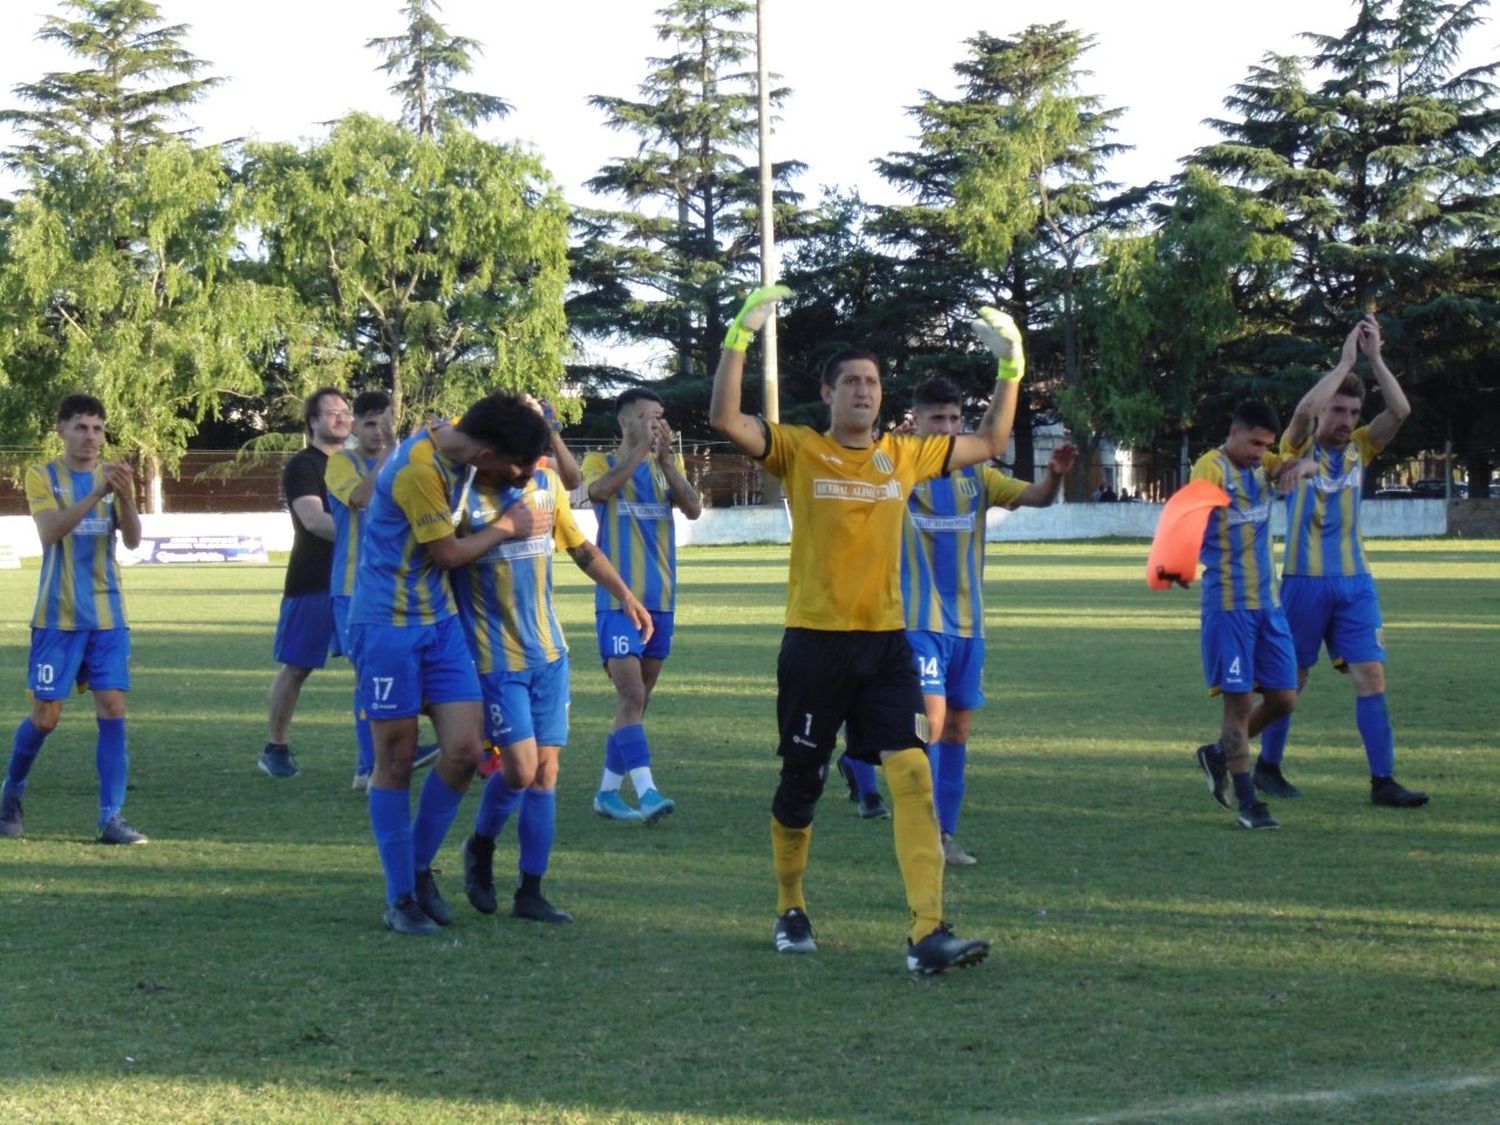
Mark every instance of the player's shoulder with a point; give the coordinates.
(1209, 466)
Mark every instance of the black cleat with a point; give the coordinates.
(116, 831)
(406, 917)
(1256, 816)
(942, 950)
(1392, 794)
(793, 932)
(536, 908)
(430, 900)
(12, 816)
(871, 807)
(1273, 783)
(1211, 761)
(479, 873)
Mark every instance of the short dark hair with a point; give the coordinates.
(1253, 414)
(73, 405)
(1352, 387)
(312, 406)
(830, 374)
(637, 394)
(937, 391)
(508, 425)
(371, 402)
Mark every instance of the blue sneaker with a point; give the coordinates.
(654, 806)
(277, 761)
(608, 803)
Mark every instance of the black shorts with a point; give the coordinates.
(826, 679)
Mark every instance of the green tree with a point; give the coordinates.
(1382, 157)
(439, 261)
(428, 57)
(139, 78)
(667, 268)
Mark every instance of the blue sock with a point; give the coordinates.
(1374, 722)
(436, 808)
(390, 823)
(113, 764)
(634, 750)
(495, 804)
(1273, 741)
(1244, 790)
(364, 740)
(948, 782)
(24, 748)
(863, 774)
(612, 760)
(536, 829)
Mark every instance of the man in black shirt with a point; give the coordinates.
(305, 631)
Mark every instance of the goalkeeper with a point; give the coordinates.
(844, 656)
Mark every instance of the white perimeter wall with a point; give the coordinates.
(719, 526)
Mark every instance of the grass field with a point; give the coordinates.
(1151, 962)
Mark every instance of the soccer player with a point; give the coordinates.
(505, 604)
(845, 659)
(350, 479)
(1247, 645)
(634, 489)
(1327, 588)
(304, 630)
(78, 630)
(406, 641)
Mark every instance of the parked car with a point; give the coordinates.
(1399, 492)
(1432, 488)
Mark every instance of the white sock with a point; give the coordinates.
(610, 782)
(640, 777)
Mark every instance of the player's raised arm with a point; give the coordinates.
(1041, 493)
(1003, 338)
(1383, 426)
(725, 413)
(127, 516)
(1304, 421)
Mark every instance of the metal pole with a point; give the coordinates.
(770, 377)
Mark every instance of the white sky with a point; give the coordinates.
(292, 64)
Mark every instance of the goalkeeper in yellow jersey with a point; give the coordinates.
(845, 657)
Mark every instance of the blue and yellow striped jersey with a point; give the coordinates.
(416, 494)
(346, 469)
(80, 584)
(505, 595)
(637, 533)
(942, 548)
(1322, 512)
(1236, 556)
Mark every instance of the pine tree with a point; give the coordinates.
(428, 57)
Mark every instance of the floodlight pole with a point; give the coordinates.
(770, 377)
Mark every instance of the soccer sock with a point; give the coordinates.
(1273, 741)
(536, 830)
(24, 748)
(495, 804)
(635, 756)
(1374, 721)
(614, 767)
(1244, 789)
(919, 849)
(364, 740)
(113, 763)
(390, 824)
(789, 848)
(436, 809)
(948, 765)
(863, 774)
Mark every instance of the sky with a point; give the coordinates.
(853, 68)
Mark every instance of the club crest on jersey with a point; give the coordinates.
(542, 501)
(658, 478)
(967, 487)
(883, 462)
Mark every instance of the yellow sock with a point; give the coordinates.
(919, 847)
(789, 848)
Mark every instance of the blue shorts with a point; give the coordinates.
(304, 632)
(618, 636)
(952, 667)
(89, 659)
(529, 704)
(1248, 650)
(403, 667)
(1343, 613)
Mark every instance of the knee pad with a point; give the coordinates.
(802, 778)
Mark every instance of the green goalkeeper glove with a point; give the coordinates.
(1003, 338)
(752, 317)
